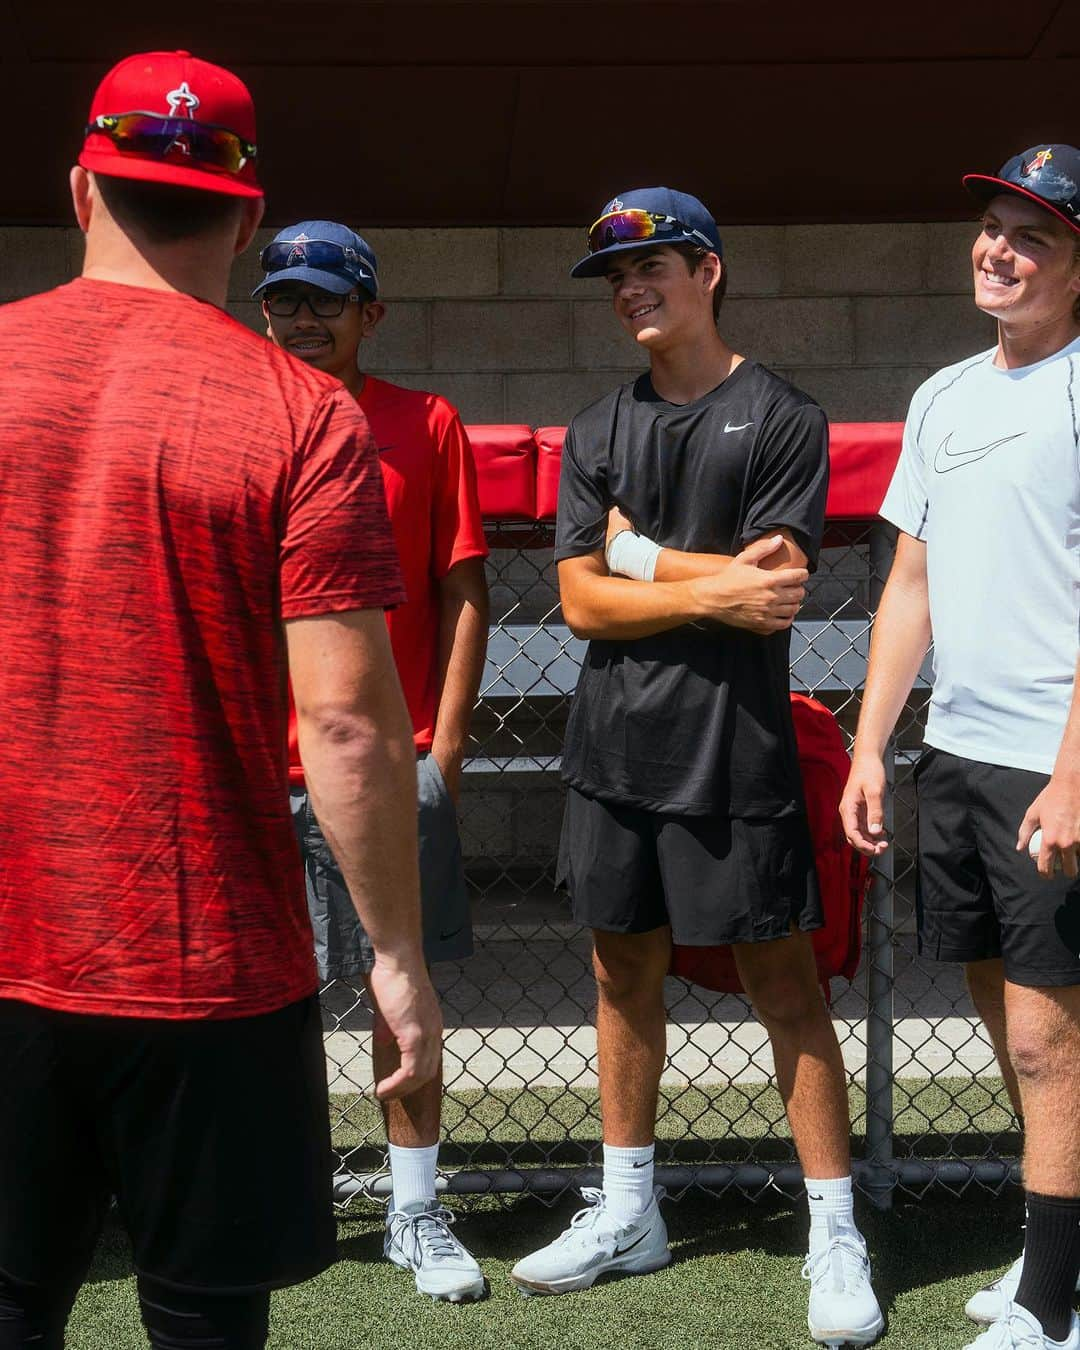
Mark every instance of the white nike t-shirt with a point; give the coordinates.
(989, 477)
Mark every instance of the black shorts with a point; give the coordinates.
(712, 878)
(977, 897)
(213, 1135)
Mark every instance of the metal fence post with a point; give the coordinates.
(880, 1177)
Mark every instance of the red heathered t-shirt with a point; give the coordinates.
(430, 481)
(173, 487)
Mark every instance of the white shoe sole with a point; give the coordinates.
(472, 1293)
(572, 1283)
(848, 1335)
(464, 1293)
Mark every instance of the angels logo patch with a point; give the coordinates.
(182, 102)
(1037, 162)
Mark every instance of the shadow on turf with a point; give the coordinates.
(918, 1243)
(914, 1245)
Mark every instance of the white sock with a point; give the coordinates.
(628, 1181)
(412, 1172)
(831, 1209)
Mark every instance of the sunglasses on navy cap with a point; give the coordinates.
(633, 225)
(309, 253)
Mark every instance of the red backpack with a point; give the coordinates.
(842, 873)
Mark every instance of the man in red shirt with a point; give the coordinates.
(320, 299)
(186, 512)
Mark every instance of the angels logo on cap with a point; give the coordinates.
(1034, 165)
(182, 102)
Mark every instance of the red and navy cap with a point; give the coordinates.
(1046, 174)
(172, 85)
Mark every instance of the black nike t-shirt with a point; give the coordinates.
(695, 720)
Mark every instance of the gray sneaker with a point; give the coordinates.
(418, 1238)
(595, 1244)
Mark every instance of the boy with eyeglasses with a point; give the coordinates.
(185, 512)
(986, 499)
(320, 297)
(691, 507)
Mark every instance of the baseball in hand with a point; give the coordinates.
(1035, 844)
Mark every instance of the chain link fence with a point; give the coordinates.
(521, 1109)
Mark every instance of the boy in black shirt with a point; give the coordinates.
(685, 818)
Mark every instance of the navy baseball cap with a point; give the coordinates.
(643, 216)
(322, 253)
(1046, 174)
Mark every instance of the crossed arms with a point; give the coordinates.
(759, 589)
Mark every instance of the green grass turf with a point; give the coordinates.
(734, 1283)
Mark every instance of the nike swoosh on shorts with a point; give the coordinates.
(961, 457)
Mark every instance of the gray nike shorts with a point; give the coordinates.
(342, 949)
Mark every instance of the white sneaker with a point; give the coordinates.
(987, 1305)
(594, 1244)
(1019, 1330)
(418, 1238)
(843, 1308)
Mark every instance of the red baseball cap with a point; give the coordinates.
(175, 86)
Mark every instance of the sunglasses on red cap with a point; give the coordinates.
(632, 225)
(177, 139)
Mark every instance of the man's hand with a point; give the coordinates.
(746, 595)
(407, 1002)
(1056, 811)
(862, 807)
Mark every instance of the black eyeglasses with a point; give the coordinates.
(175, 138)
(322, 304)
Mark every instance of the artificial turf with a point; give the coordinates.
(734, 1283)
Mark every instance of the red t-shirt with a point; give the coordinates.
(430, 481)
(173, 487)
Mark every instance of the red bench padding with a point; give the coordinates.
(518, 469)
(505, 471)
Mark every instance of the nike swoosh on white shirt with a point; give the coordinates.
(961, 457)
(729, 427)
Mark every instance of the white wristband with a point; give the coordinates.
(632, 555)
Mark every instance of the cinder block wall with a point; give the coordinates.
(856, 315)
